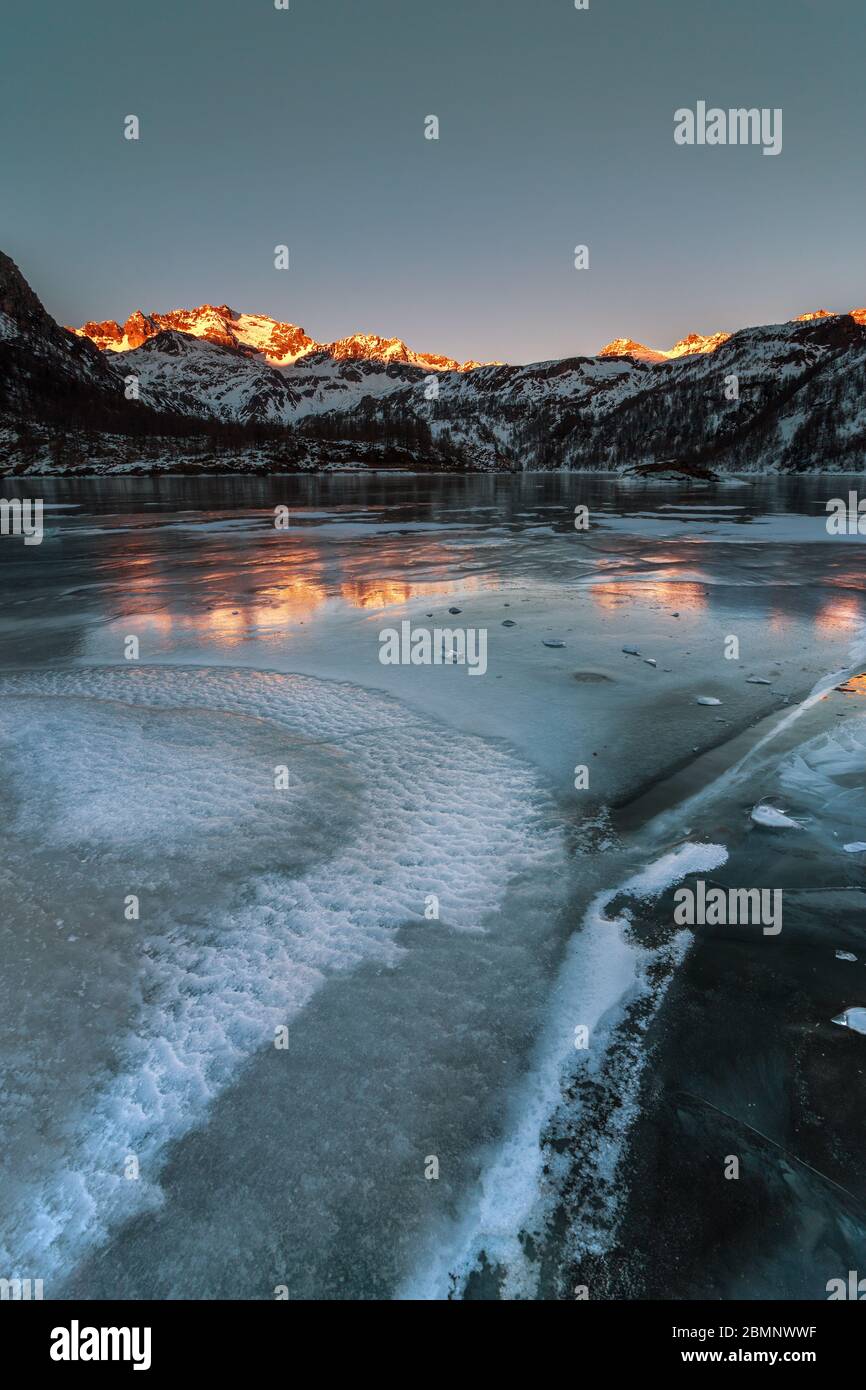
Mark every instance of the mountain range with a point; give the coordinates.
(212, 389)
(278, 344)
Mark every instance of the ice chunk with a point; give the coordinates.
(631, 651)
(650, 661)
(852, 1018)
(845, 955)
(757, 680)
(707, 700)
(552, 642)
(826, 776)
(771, 816)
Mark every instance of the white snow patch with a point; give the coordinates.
(602, 971)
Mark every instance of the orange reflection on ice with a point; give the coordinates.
(134, 566)
(288, 603)
(366, 593)
(778, 619)
(682, 597)
(226, 623)
(161, 622)
(278, 608)
(380, 593)
(842, 614)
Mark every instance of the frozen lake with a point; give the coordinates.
(330, 1050)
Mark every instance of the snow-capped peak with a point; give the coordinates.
(627, 347)
(280, 344)
(686, 347)
(697, 342)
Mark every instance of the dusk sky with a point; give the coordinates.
(306, 127)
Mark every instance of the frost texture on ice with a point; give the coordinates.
(160, 782)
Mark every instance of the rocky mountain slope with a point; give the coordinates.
(211, 387)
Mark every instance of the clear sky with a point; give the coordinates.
(306, 127)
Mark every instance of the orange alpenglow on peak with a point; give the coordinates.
(858, 315)
(686, 347)
(281, 344)
(217, 323)
(698, 343)
(627, 347)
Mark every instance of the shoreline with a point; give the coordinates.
(363, 470)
